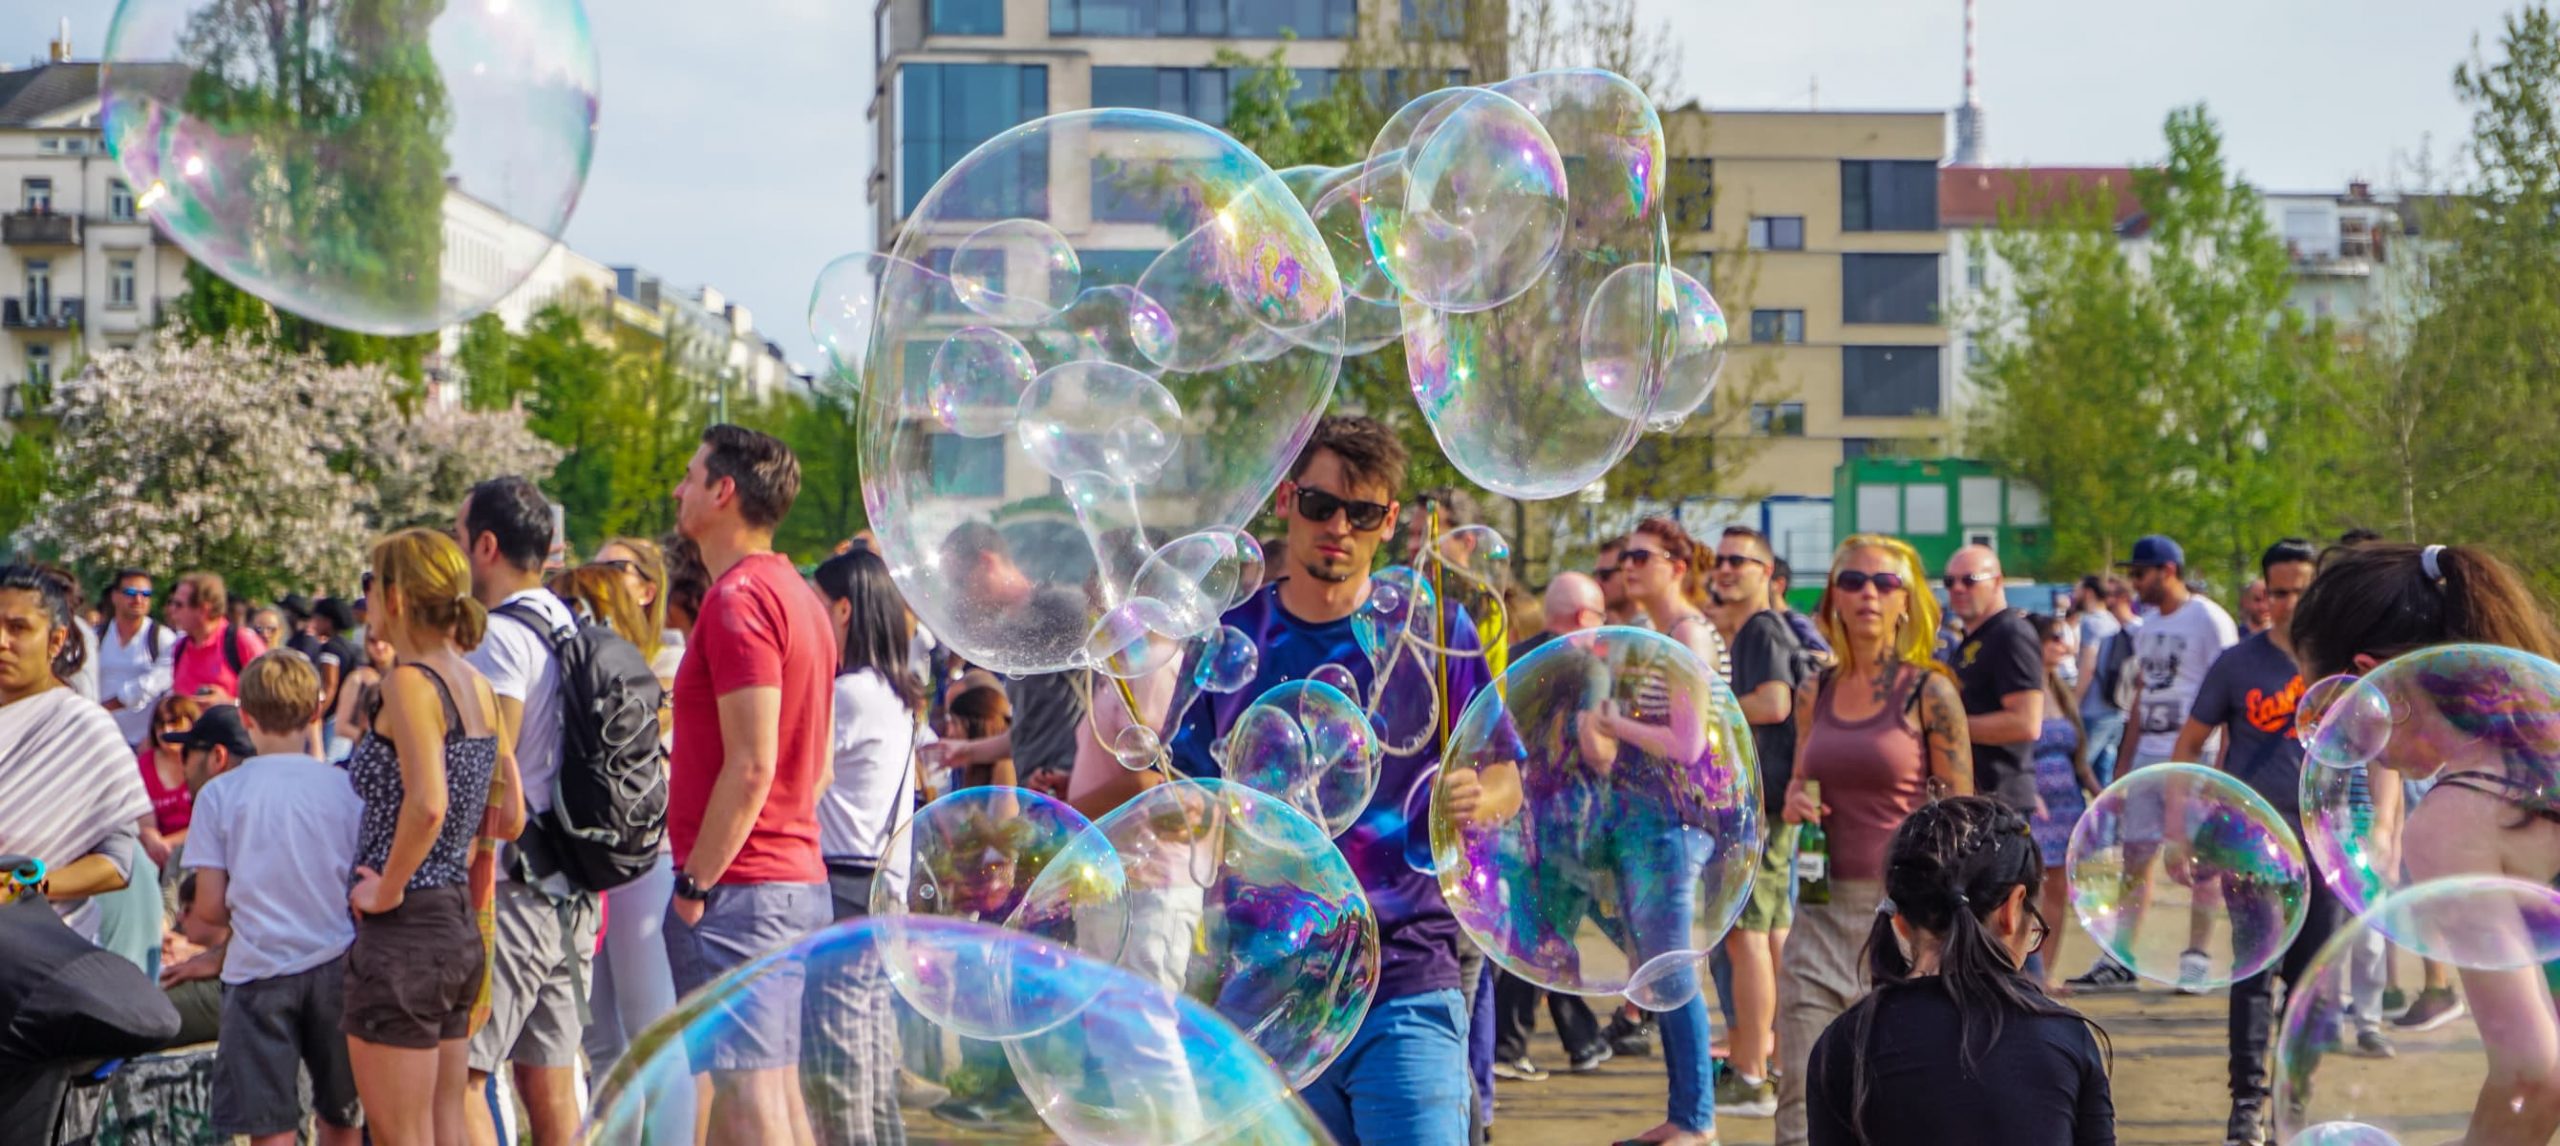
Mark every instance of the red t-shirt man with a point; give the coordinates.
(197, 665)
(760, 625)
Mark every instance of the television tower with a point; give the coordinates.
(1969, 113)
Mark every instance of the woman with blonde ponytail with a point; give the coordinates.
(1882, 732)
(436, 781)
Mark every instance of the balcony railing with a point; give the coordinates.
(40, 314)
(40, 229)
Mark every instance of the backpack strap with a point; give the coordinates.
(553, 636)
(231, 648)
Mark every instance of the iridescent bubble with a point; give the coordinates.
(1016, 271)
(1656, 362)
(1484, 205)
(1228, 660)
(1099, 417)
(1195, 578)
(978, 378)
(842, 306)
(1124, 1061)
(1131, 640)
(1138, 748)
(2185, 876)
(1636, 829)
(1372, 309)
(1169, 395)
(1239, 901)
(2317, 699)
(2503, 931)
(388, 173)
(1504, 389)
(1337, 676)
(1307, 743)
(972, 855)
(2485, 710)
(1477, 551)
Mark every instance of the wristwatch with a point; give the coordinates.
(686, 888)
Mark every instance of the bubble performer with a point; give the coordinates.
(2494, 811)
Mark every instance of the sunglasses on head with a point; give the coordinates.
(1856, 580)
(1317, 505)
(620, 565)
(1737, 560)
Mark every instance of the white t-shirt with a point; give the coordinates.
(520, 667)
(135, 673)
(288, 903)
(875, 741)
(2174, 650)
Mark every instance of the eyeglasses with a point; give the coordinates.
(1962, 580)
(1737, 560)
(1317, 505)
(1856, 580)
(145, 594)
(2037, 928)
(621, 565)
(1604, 573)
(1637, 557)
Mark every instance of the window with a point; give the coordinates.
(968, 17)
(1125, 190)
(1245, 19)
(1888, 381)
(1115, 268)
(39, 287)
(36, 195)
(1433, 19)
(1879, 506)
(1973, 355)
(1200, 93)
(1777, 419)
(1273, 19)
(119, 201)
(1976, 272)
(1693, 195)
(1699, 265)
(1889, 288)
(1888, 195)
(880, 37)
(120, 282)
(39, 365)
(2026, 504)
(968, 467)
(1777, 326)
(1777, 232)
(948, 109)
(1924, 509)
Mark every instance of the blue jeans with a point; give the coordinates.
(1403, 1079)
(2106, 733)
(1660, 913)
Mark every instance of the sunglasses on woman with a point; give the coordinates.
(1317, 505)
(1856, 580)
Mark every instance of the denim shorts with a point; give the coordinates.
(740, 923)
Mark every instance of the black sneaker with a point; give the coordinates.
(2103, 978)
(2248, 1126)
(2435, 1007)
(1633, 1039)
(1590, 1060)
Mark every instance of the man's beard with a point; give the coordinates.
(1328, 572)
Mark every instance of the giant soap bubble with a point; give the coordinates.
(1626, 344)
(2484, 717)
(1629, 847)
(1307, 743)
(1505, 389)
(383, 168)
(2186, 877)
(2501, 932)
(1182, 321)
(1239, 901)
(1128, 1062)
(1465, 200)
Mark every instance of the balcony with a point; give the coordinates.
(40, 229)
(40, 314)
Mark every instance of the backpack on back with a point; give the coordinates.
(230, 648)
(2117, 682)
(609, 800)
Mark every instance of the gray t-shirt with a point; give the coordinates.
(2251, 693)
(282, 829)
(1046, 713)
(520, 667)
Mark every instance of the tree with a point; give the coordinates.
(2179, 397)
(279, 483)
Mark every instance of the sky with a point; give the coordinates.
(733, 145)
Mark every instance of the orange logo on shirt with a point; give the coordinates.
(2274, 714)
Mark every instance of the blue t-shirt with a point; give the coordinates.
(1417, 937)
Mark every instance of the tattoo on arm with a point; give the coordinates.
(1949, 748)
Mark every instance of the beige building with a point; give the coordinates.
(1840, 290)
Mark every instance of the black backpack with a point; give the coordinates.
(2116, 684)
(609, 801)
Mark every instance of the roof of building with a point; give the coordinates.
(28, 96)
(1973, 196)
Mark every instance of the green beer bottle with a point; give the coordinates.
(1812, 866)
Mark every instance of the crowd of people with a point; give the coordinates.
(429, 744)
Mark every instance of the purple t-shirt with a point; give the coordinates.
(1417, 937)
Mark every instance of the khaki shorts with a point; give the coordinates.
(1773, 900)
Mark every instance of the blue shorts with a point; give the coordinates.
(1403, 1079)
(741, 922)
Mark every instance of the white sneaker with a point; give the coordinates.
(2194, 967)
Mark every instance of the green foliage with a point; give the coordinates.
(2177, 398)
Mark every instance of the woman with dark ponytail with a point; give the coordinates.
(1956, 1043)
(2378, 600)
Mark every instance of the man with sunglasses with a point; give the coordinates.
(1613, 585)
(1404, 1076)
(133, 655)
(1765, 659)
(1999, 666)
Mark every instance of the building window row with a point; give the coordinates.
(967, 17)
(1203, 94)
(947, 110)
(1242, 19)
(1888, 195)
(1889, 381)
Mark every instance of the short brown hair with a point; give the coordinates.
(1757, 539)
(1676, 543)
(209, 592)
(280, 691)
(764, 470)
(1368, 449)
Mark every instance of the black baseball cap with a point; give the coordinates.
(219, 727)
(336, 612)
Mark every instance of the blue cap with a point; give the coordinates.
(2156, 550)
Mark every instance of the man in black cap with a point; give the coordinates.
(332, 622)
(216, 741)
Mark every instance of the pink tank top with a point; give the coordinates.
(171, 807)
(1874, 774)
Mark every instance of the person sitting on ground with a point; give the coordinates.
(1956, 1043)
(281, 912)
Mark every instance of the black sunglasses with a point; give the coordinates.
(1737, 560)
(1637, 557)
(1960, 580)
(1855, 580)
(1317, 505)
